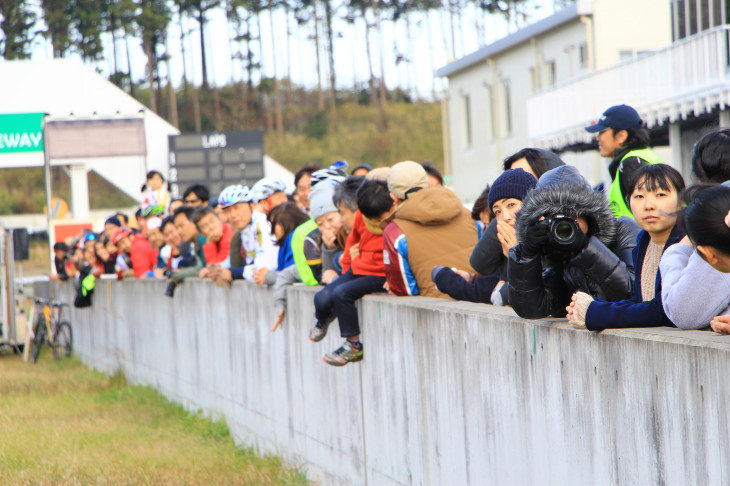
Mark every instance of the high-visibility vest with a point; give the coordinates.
(297, 248)
(618, 204)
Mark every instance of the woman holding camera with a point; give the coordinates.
(569, 242)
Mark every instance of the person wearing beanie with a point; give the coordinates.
(621, 135)
(329, 222)
(111, 225)
(487, 257)
(428, 227)
(505, 199)
(569, 241)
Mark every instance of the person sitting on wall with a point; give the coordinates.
(364, 273)
(488, 256)
(621, 135)
(429, 226)
(569, 241)
(505, 200)
(655, 203)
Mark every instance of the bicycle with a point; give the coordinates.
(48, 328)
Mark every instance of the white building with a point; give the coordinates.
(497, 99)
(67, 90)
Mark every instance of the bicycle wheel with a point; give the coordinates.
(63, 341)
(39, 331)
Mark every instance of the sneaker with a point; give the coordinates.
(319, 330)
(347, 353)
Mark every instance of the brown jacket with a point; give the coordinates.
(430, 228)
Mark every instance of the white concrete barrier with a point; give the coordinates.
(449, 392)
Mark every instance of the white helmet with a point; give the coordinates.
(233, 195)
(266, 187)
(333, 175)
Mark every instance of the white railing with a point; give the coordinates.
(688, 77)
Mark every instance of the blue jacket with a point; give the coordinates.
(286, 256)
(634, 312)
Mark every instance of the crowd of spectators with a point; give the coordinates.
(540, 238)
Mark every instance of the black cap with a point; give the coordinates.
(619, 117)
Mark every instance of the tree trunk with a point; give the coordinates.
(277, 89)
(355, 61)
(368, 50)
(381, 49)
(186, 93)
(201, 21)
(172, 95)
(289, 94)
(331, 57)
(129, 64)
(150, 74)
(320, 92)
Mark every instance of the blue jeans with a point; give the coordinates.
(338, 300)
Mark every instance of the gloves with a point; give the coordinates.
(535, 238)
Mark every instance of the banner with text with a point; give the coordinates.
(21, 132)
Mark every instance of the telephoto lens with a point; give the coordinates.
(563, 230)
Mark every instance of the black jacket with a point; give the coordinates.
(487, 257)
(543, 286)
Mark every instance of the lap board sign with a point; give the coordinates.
(216, 159)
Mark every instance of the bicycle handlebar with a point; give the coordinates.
(52, 303)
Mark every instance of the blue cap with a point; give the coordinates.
(619, 117)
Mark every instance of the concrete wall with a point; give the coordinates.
(448, 392)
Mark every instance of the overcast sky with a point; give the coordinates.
(350, 53)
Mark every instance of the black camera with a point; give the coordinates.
(170, 290)
(563, 230)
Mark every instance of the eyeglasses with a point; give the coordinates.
(191, 201)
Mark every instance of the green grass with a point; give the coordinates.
(61, 423)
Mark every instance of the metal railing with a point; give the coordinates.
(688, 77)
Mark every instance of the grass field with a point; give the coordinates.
(61, 423)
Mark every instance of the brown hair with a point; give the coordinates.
(288, 216)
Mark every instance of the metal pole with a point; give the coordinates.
(47, 174)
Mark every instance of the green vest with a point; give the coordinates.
(618, 204)
(297, 248)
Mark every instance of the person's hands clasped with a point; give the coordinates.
(721, 324)
(578, 308)
(536, 237)
(507, 236)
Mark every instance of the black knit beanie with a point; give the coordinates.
(513, 183)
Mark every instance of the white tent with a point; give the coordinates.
(67, 89)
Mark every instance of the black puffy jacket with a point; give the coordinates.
(543, 286)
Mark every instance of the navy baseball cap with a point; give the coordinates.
(619, 117)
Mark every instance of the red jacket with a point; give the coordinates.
(144, 257)
(370, 260)
(217, 252)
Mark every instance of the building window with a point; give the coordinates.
(490, 113)
(551, 73)
(583, 55)
(467, 121)
(625, 55)
(533, 85)
(507, 106)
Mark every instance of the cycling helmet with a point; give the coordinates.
(156, 210)
(333, 175)
(232, 195)
(266, 187)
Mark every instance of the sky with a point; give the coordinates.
(298, 57)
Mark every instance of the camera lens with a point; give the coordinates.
(563, 231)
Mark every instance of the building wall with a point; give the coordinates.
(477, 160)
(448, 393)
(629, 26)
(617, 28)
